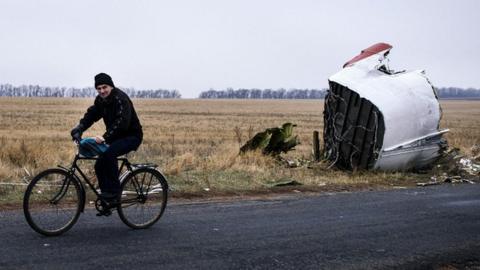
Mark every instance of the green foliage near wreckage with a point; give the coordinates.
(273, 141)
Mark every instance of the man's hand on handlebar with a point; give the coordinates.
(76, 134)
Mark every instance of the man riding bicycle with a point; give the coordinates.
(123, 132)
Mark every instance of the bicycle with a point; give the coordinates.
(55, 197)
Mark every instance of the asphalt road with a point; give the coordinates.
(420, 228)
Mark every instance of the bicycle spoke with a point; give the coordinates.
(136, 185)
(143, 180)
(149, 183)
(128, 205)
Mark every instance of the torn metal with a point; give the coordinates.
(375, 118)
(273, 141)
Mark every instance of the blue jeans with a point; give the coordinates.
(106, 166)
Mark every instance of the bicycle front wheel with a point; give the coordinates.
(52, 202)
(144, 198)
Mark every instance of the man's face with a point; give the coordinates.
(104, 90)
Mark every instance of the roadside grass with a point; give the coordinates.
(196, 144)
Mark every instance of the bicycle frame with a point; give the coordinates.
(72, 172)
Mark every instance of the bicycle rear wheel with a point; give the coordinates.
(52, 202)
(144, 198)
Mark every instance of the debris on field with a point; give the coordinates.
(424, 184)
(285, 182)
(273, 141)
(296, 162)
(293, 163)
(430, 183)
(375, 118)
(469, 166)
(446, 179)
(453, 167)
(453, 164)
(458, 181)
(28, 176)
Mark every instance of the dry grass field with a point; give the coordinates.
(196, 142)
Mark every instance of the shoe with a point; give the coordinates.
(109, 197)
(106, 213)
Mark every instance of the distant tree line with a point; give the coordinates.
(265, 93)
(460, 93)
(8, 90)
(229, 93)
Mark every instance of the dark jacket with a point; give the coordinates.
(118, 115)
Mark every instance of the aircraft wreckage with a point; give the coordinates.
(375, 118)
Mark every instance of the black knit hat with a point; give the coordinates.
(103, 78)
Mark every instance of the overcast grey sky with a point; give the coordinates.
(196, 45)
